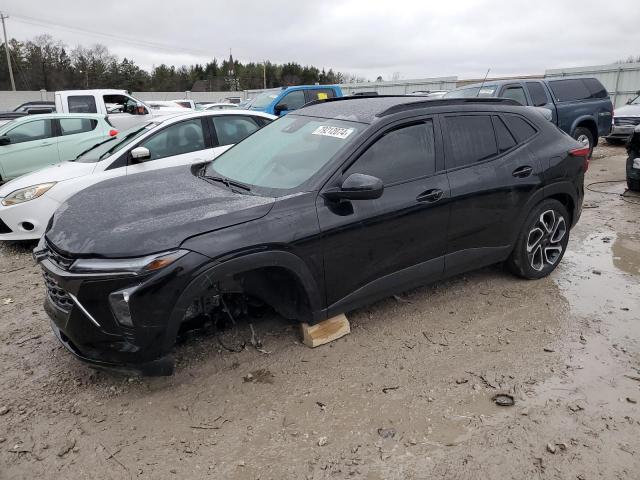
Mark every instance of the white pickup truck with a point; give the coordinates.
(122, 109)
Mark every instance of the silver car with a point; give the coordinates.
(625, 119)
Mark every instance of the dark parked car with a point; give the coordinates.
(579, 106)
(633, 161)
(327, 209)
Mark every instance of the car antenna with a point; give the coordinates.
(483, 80)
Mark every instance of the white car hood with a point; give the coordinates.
(627, 111)
(54, 173)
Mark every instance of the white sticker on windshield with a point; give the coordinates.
(337, 132)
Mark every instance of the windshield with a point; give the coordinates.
(485, 91)
(104, 148)
(286, 153)
(264, 99)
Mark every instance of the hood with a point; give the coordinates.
(146, 213)
(627, 111)
(54, 173)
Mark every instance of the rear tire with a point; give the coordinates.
(542, 241)
(584, 136)
(633, 184)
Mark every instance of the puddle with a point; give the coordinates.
(601, 275)
(626, 253)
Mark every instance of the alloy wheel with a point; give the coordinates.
(544, 242)
(584, 140)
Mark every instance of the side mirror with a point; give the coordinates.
(140, 154)
(5, 140)
(281, 107)
(356, 186)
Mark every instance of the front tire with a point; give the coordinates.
(584, 136)
(633, 184)
(542, 241)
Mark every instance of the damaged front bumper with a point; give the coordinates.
(83, 320)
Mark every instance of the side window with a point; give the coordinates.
(232, 129)
(520, 128)
(471, 139)
(293, 100)
(179, 138)
(515, 92)
(71, 126)
(319, 94)
(537, 94)
(596, 88)
(82, 104)
(400, 155)
(504, 137)
(27, 132)
(263, 122)
(569, 90)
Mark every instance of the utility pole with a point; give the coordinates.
(264, 74)
(6, 48)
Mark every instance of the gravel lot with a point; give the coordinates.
(408, 394)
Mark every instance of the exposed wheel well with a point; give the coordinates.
(276, 287)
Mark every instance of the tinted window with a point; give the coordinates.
(515, 93)
(293, 100)
(520, 128)
(27, 132)
(400, 155)
(261, 121)
(183, 137)
(319, 94)
(537, 94)
(71, 126)
(471, 139)
(233, 129)
(569, 90)
(82, 104)
(504, 137)
(596, 89)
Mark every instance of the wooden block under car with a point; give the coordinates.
(325, 331)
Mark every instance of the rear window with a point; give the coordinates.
(471, 139)
(71, 126)
(577, 89)
(505, 139)
(520, 128)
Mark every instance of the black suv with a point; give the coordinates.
(327, 209)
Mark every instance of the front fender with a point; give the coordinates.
(219, 269)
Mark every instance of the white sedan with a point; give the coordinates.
(28, 202)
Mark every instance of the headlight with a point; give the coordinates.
(136, 266)
(26, 194)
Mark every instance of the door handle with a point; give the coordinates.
(430, 196)
(44, 144)
(522, 172)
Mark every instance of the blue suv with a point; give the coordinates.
(280, 101)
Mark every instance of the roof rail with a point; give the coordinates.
(448, 101)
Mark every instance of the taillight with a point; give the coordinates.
(581, 152)
(113, 132)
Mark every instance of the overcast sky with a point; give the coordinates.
(417, 39)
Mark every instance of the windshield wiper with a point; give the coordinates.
(94, 146)
(228, 182)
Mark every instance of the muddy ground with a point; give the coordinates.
(408, 394)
